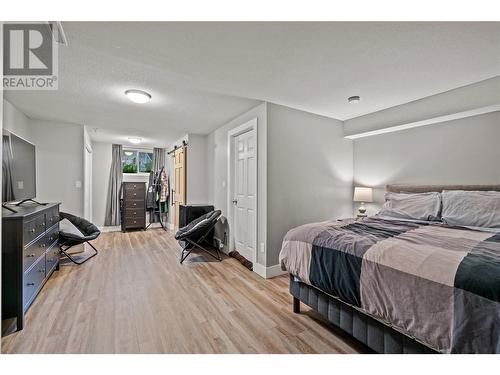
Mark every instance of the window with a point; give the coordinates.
(135, 161)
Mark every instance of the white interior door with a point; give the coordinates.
(245, 194)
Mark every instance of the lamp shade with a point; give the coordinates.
(363, 194)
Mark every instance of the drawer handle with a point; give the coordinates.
(32, 230)
(30, 284)
(135, 204)
(41, 225)
(135, 222)
(135, 194)
(30, 256)
(135, 213)
(43, 245)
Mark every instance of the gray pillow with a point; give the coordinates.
(67, 226)
(471, 208)
(414, 206)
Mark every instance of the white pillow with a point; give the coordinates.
(416, 206)
(471, 208)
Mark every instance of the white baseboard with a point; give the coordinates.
(105, 229)
(268, 272)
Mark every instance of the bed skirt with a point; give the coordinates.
(374, 334)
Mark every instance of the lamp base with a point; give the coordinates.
(362, 210)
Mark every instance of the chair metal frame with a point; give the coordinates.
(64, 251)
(186, 250)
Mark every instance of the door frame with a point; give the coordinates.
(87, 181)
(231, 135)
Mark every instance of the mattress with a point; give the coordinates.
(438, 284)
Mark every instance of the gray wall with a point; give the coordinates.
(480, 96)
(101, 166)
(309, 172)
(217, 155)
(460, 151)
(16, 121)
(59, 163)
(196, 165)
(59, 157)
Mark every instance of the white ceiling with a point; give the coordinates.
(203, 74)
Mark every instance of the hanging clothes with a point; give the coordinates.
(164, 186)
(150, 200)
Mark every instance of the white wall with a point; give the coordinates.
(217, 164)
(309, 172)
(464, 151)
(59, 163)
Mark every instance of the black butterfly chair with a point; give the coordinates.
(193, 235)
(67, 240)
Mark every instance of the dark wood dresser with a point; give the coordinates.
(133, 205)
(30, 253)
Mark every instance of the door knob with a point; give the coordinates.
(235, 201)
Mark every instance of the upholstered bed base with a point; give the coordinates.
(377, 336)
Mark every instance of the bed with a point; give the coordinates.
(401, 286)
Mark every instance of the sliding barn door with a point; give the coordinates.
(179, 182)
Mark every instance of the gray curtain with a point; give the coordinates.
(158, 159)
(114, 189)
(8, 184)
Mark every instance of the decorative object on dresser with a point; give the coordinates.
(363, 195)
(76, 231)
(133, 205)
(30, 253)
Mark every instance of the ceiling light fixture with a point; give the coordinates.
(135, 140)
(353, 99)
(138, 96)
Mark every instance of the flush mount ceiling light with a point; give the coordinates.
(135, 140)
(353, 99)
(138, 96)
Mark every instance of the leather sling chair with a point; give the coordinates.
(194, 234)
(86, 232)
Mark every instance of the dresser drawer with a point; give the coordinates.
(134, 194)
(135, 222)
(137, 204)
(139, 186)
(34, 251)
(32, 281)
(33, 228)
(51, 258)
(52, 217)
(52, 235)
(134, 213)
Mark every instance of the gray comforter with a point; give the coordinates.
(438, 284)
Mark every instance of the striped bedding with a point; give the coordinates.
(435, 283)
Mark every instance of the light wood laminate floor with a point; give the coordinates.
(135, 297)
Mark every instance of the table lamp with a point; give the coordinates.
(363, 195)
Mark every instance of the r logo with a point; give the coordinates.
(27, 50)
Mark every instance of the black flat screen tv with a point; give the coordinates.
(18, 168)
